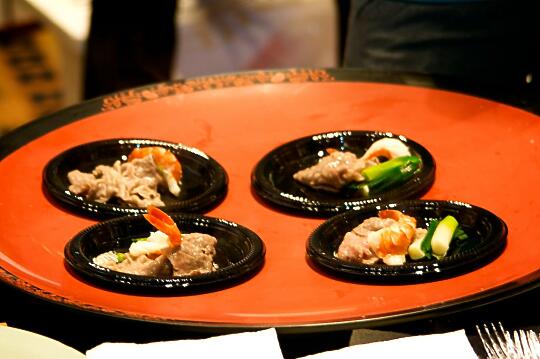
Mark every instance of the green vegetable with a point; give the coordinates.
(421, 248)
(443, 236)
(387, 174)
(139, 239)
(381, 170)
(426, 242)
(415, 250)
(120, 257)
(459, 240)
(459, 234)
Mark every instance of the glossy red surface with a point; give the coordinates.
(486, 154)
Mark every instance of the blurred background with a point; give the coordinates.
(43, 43)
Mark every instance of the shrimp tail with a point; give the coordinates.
(164, 223)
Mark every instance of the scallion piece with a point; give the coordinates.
(460, 240)
(375, 172)
(443, 235)
(120, 257)
(426, 243)
(385, 175)
(390, 173)
(422, 248)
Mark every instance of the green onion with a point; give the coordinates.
(444, 233)
(459, 234)
(460, 240)
(422, 248)
(440, 235)
(139, 239)
(415, 250)
(120, 257)
(426, 242)
(387, 174)
(381, 170)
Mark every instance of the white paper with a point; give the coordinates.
(441, 346)
(248, 345)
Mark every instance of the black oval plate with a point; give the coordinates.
(204, 182)
(272, 178)
(239, 254)
(488, 230)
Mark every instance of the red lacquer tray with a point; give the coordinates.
(487, 154)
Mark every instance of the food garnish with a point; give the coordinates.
(166, 163)
(387, 163)
(135, 182)
(165, 252)
(443, 236)
(387, 174)
(393, 238)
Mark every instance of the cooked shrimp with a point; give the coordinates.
(331, 150)
(165, 224)
(386, 147)
(395, 239)
(402, 218)
(166, 163)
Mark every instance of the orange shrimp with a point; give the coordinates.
(164, 159)
(396, 238)
(331, 150)
(164, 223)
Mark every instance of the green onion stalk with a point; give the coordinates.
(387, 174)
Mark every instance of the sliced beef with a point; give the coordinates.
(135, 183)
(334, 171)
(195, 255)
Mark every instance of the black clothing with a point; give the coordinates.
(131, 43)
(489, 42)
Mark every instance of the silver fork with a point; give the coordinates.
(496, 341)
(499, 343)
(527, 343)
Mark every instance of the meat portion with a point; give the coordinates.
(139, 265)
(195, 255)
(135, 183)
(334, 171)
(154, 257)
(386, 237)
(356, 247)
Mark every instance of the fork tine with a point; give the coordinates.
(504, 340)
(500, 343)
(534, 343)
(530, 344)
(495, 346)
(488, 347)
(527, 344)
(521, 344)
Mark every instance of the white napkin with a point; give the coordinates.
(260, 344)
(441, 346)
